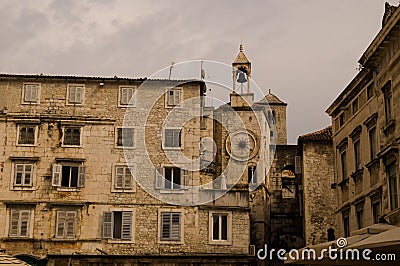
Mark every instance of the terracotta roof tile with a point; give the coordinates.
(323, 134)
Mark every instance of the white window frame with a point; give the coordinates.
(80, 136)
(58, 221)
(134, 137)
(57, 176)
(160, 180)
(181, 143)
(19, 126)
(133, 95)
(128, 168)
(30, 218)
(24, 86)
(110, 238)
(74, 102)
(23, 186)
(175, 102)
(181, 229)
(211, 228)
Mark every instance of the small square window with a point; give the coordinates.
(31, 93)
(75, 94)
(23, 174)
(26, 135)
(72, 136)
(354, 106)
(69, 175)
(172, 138)
(370, 91)
(66, 224)
(173, 97)
(126, 137)
(19, 223)
(125, 96)
(170, 226)
(172, 178)
(123, 179)
(341, 119)
(117, 225)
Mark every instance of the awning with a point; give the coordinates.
(380, 238)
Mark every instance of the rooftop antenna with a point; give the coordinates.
(170, 70)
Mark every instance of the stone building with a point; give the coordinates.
(366, 135)
(95, 171)
(317, 175)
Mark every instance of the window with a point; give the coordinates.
(23, 174)
(75, 94)
(174, 96)
(346, 223)
(19, 223)
(170, 226)
(172, 138)
(125, 95)
(388, 102)
(341, 119)
(370, 91)
(357, 154)
(343, 164)
(26, 135)
(354, 106)
(171, 178)
(117, 225)
(331, 234)
(69, 175)
(220, 227)
(393, 189)
(72, 136)
(372, 143)
(252, 174)
(125, 137)
(376, 211)
(123, 179)
(360, 215)
(66, 224)
(31, 93)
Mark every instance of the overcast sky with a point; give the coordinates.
(305, 51)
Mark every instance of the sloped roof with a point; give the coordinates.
(272, 99)
(241, 57)
(10, 260)
(323, 134)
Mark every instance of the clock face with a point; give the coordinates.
(241, 145)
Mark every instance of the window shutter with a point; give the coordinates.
(78, 96)
(297, 164)
(81, 176)
(185, 178)
(34, 93)
(175, 226)
(169, 138)
(27, 94)
(70, 224)
(165, 225)
(177, 97)
(14, 222)
(24, 222)
(56, 182)
(72, 94)
(124, 96)
(160, 180)
(28, 174)
(128, 178)
(170, 100)
(107, 224)
(176, 138)
(119, 177)
(126, 225)
(61, 218)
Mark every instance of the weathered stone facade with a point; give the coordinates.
(366, 131)
(67, 223)
(317, 175)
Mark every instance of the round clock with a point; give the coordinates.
(241, 145)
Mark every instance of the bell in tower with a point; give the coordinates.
(241, 69)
